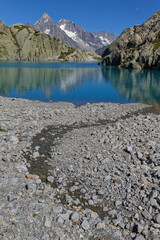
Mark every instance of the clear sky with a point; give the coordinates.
(94, 16)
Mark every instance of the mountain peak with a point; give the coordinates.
(63, 20)
(45, 18)
(72, 34)
(45, 15)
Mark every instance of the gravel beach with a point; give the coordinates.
(70, 173)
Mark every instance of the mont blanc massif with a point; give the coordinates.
(73, 35)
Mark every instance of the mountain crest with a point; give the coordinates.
(73, 35)
(62, 20)
(45, 15)
(45, 18)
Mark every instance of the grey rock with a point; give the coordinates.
(154, 203)
(90, 202)
(35, 154)
(139, 155)
(83, 190)
(75, 216)
(129, 149)
(73, 188)
(60, 220)
(118, 203)
(14, 139)
(57, 209)
(106, 220)
(85, 225)
(140, 237)
(146, 214)
(11, 197)
(50, 179)
(157, 218)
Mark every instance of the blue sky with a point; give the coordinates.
(94, 16)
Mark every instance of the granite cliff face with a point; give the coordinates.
(22, 43)
(137, 47)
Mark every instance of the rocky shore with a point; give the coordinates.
(89, 172)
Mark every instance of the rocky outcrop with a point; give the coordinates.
(137, 47)
(22, 43)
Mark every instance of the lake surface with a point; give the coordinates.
(78, 83)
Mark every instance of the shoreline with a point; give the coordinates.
(88, 172)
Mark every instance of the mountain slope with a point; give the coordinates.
(86, 40)
(137, 47)
(22, 43)
(46, 25)
(72, 34)
(101, 50)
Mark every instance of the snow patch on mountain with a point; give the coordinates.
(46, 20)
(47, 31)
(71, 34)
(105, 40)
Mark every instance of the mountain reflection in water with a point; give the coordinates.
(135, 85)
(47, 79)
(87, 83)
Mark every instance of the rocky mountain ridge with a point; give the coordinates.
(137, 47)
(22, 43)
(47, 26)
(73, 35)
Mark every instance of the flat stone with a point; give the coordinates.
(35, 154)
(100, 225)
(146, 214)
(139, 155)
(90, 202)
(11, 198)
(129, 149)
(118, 203)
(50, 179)
(57, 209)
(47, 223)
(30, 176)
(75, 216)
(14, 139)
(85, 225)
(157, 218)
(140, 237)
(74, 188)
(60, 220)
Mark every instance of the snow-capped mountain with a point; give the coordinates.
(107, 38)
(46, 25)
(72, 34)
(86, 40)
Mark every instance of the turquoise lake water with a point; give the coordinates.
(78, 83)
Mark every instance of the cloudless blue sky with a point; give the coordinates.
(94, 16)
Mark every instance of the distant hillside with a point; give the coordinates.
(137, 47)
(22, 43)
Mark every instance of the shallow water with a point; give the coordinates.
(78, 83)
